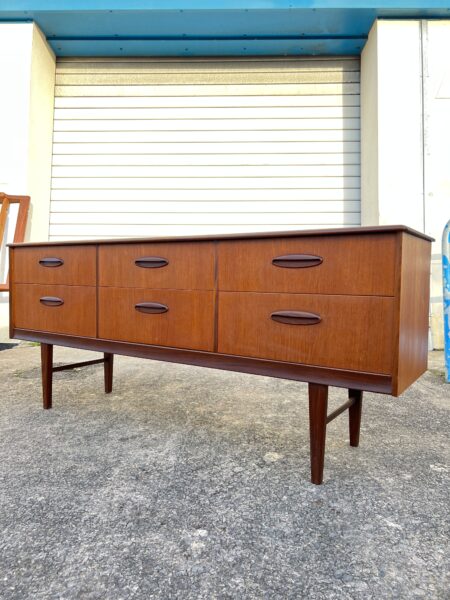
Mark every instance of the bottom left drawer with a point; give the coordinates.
(66, 309)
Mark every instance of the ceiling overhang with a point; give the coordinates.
(212, 27)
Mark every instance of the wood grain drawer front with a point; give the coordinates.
(188, 266)
(353, 265)
(67, 265)
(55, 308)
(341, 332)
(177, 318)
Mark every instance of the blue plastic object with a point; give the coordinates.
(446, 294)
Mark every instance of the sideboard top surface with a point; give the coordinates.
(241, 236)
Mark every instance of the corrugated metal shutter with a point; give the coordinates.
(165, 146)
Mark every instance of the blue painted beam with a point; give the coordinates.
(211, 47)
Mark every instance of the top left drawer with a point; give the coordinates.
(68, 265)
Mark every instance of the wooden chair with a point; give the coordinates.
(21, 223)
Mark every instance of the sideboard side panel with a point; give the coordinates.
(11, 293)
(413, 300)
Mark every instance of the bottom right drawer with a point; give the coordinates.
(341, 332)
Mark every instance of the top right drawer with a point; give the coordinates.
(351, 264)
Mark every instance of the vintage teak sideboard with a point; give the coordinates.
(345, 307)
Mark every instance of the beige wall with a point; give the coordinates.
(27, 73)
(405, 135)
(40, 134)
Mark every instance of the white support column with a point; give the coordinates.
(405, 135)
(27, 75)
(436, 51)
(392, 183)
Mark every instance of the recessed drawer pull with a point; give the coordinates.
(297, 261)
(295, 317)
(151, 262)
(151, 308)
(51, 301)
(51, 262)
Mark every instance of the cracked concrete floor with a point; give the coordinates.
(189, 483)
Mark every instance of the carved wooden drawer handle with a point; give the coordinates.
(51, 262)
(297, 261)
(151, 308)
(295, 317)
(51, 301)
(151, 262)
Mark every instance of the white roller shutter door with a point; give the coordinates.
(146, 147)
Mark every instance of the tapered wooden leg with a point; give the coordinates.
(318, 404)
(354, 416)
(47, 374)
(108, 370)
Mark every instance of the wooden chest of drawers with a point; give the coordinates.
(345, 307)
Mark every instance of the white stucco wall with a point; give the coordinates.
(15, 67)
(391, 126)
(27, 74)
(436, 43)
(405, 134)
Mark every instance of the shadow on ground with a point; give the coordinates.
(190, 483)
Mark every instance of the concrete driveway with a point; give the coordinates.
(189, 483)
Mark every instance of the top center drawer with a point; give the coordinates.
(170, 265)
(356, 264)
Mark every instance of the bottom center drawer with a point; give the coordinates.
(177, 318)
